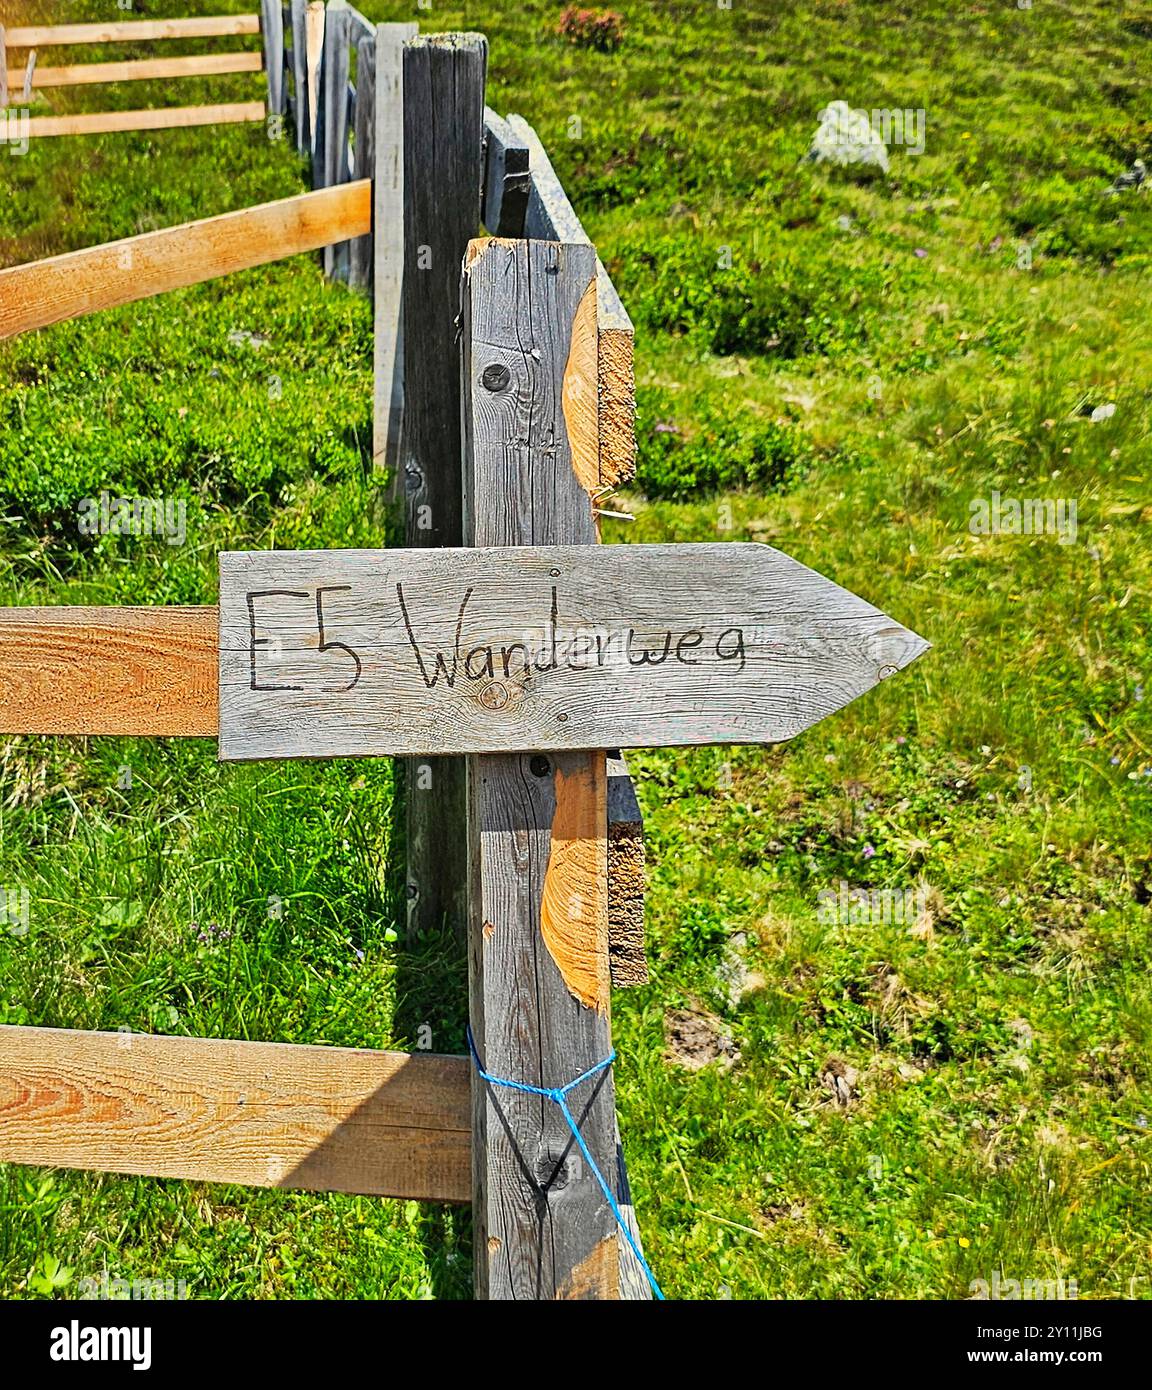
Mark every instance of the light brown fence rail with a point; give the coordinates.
(133, 31)
(100, 277)
(139, 70)
(334, 1119)
(33, 78)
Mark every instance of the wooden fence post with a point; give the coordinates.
(300, 102)
(363, 153)
(443, 86)
(331, 154)
(388, 244)
(314, 18)
(272, 37)
(3, 69)
(507, 177)
(537, 824)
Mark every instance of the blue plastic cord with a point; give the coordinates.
(559, 1094)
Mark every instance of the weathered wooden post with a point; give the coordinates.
(314, 20)
(330, 157)
(537, 823)
(388, 243)
(301, 104)
(272, 38)
(443, 86)
(364, 156)
(507, 178)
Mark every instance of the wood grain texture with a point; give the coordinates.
(329, 1119)
(272, 37)
(363, 154)
(3, 67)
(157, 118)
(142, 69)
(616, 389)
(550, 215)
(574, 899)
(133, 30)
(553, 647)
(388, 245)
(634, 1285)
(119, 272)
(507, 178)
(443, 121)
(626, 879)
(539, 994)
(108, 671)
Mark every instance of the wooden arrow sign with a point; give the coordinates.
(349, 652)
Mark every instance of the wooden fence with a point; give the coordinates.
(408, 163)
(32, 77)
(504, 402)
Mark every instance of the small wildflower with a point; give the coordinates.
(920, 253)
(869, 851)
(963, 1242)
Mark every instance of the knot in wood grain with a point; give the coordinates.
(495, 695)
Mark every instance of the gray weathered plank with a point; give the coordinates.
(538, 647)
(29, 74)
(332, 132)
(443, 95)
(507, 178)
(388, 244)
(300, 101)
(272, 37)
(538, 916)
(550, 215)
(359, 27)
(363, 152)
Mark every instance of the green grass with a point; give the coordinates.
(805, 378)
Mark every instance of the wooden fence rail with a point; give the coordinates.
(331, 1119)
(133, 30)
(34, 37)
(139, 70)
(100, 277)
(153, 118)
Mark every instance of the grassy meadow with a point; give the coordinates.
(839, 363)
